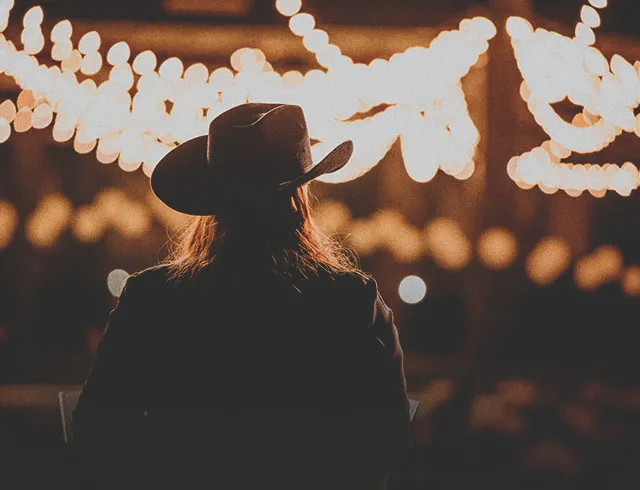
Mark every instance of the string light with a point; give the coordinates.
(555, 67)
(412, 289)
(416, 102)
(288, 7)
(116, 281)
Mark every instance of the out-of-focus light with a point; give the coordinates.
(118, 54)
(497, 248)
(602, 266)
(599, 3)
(61, 50)
(42, 116)
(302, 24)
(45, 224)
(332, 216)
(630, 280)
(88, 224)
(26, 99)
(8, 221)
(288, 7)
(73, 62)
(554, 68)
(61, 31)
(91, 63)
(590, 16)
(89, 43)
(116, 280)
(196, 74)
(33, 17)
(5, 130)
(107, 110)
(412, 289)
(548, 260)
(447, 244)
(8, 110)
(171, 69)
(145, 62)
(23, 121)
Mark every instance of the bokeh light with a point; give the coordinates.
(288, 7)
(116, 281)
(497, 248)
(412, 289)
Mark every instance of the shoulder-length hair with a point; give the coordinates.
(284, 232)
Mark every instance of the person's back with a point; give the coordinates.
(274, 364)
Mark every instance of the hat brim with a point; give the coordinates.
(182, 178)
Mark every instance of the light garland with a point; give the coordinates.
(417, 93)
(554, 67)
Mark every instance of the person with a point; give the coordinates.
(258, 353)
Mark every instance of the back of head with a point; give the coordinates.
(279, 235)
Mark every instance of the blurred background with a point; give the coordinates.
(515, 291)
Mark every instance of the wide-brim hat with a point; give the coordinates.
(252, 153)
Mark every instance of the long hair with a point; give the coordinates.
(283, 232)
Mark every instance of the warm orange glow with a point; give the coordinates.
(497, 248)
(48, 221)
(8, 221)
(630, 280)
(447, 244)
(602, 266)
(549, 259)
(139, 129)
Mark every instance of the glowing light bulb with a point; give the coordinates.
(61, 50)
(33, 17)
(519, 28)
(118, 54)
(8, 110)
(91, 63)
(42, 116)
(5, 130)
(62, 31)
(412, 289)
(315, 40)
(590, 16)
(171, 69)
(23, 121)
(89, 43)
(599, 3)
(196, 74)
(302, 24)
(116, 281)
(145, 62)
(288, 7)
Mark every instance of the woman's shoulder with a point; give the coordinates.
(351, 283)
(150, 280)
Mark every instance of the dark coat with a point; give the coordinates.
(232, 380)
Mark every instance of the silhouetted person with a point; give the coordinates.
(258, 354)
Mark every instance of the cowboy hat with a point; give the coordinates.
(253, 152)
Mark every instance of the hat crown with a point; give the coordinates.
(269, 142)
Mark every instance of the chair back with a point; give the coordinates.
(67, 403)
